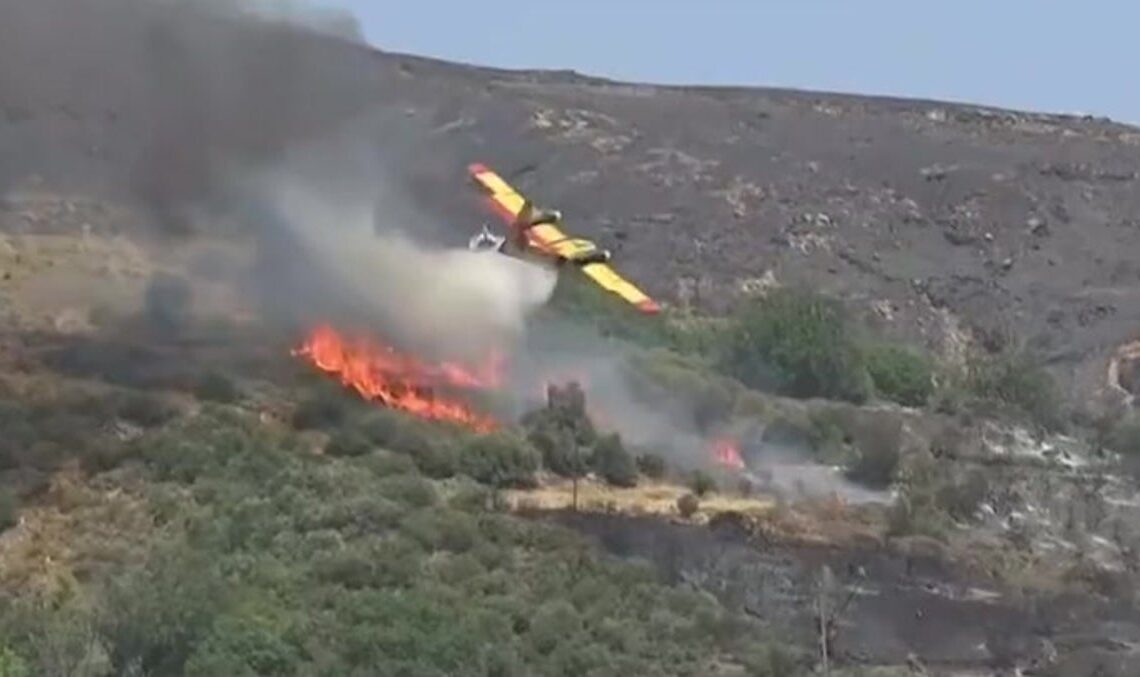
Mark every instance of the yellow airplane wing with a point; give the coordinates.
(509, 204)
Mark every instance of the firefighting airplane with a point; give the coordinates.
(536, 230)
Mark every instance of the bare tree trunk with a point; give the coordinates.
(825, 586)
(823, 626)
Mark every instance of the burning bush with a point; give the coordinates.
(379, 373)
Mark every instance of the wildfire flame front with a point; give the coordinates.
(726, 453)
(378, 373)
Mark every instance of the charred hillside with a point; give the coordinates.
(942, 222)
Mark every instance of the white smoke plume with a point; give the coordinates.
(451, 303)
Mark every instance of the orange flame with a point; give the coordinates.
(378, 372)
(727, 453)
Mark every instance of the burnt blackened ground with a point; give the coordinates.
(893, 606)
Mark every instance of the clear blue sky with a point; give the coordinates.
(1049, 55)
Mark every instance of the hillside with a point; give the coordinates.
(935, 218)
(221, 236)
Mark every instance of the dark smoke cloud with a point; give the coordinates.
(149, 96)
(248, 120)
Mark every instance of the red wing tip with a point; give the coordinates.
(649, 307)
(477, 168)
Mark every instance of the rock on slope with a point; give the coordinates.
(930, 216)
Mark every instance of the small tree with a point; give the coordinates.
(701, 483)
(500, 459)
(1017, 379)
(613, 462)
(900, 374)
(799, 343)
(651, 465)
(168, 300)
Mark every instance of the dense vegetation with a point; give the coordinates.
(803, 344)
(269, 559)
(356, 540)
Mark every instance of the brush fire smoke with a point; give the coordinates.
(378, 372)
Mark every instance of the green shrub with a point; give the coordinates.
(441, 529)
(144, 409)
(701, 483)
(687, 505)
(216, 387)
(9, 509)
(239, 645)
(554, 623)
(438, 460)
(900, 374)
(152, 618)
(613, 463)
(11, 665)
(1124, 437)
(878, 441)
(651, 465)
(433, 449)
(383, 463)
(916, 511)
(168, 300)
(348, 443)
(322, 409)
(799, 343)
(1015, 378)
(561, 453)
(500, 459)
(410, 490)
(960, 497)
